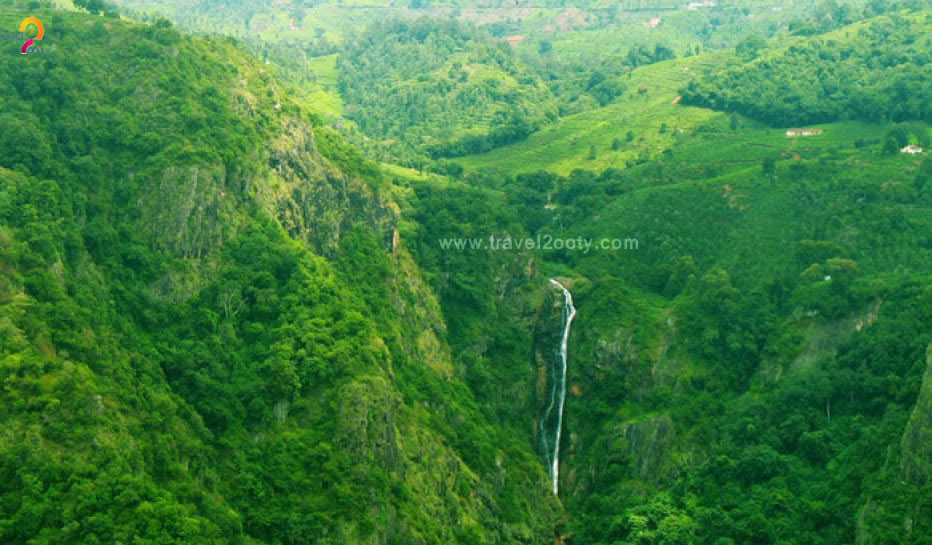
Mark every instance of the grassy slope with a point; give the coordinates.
(566, 144)
(680, 29)
(322, 95)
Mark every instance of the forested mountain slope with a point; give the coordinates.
(878, 70)
(440, 89)
(208, 333)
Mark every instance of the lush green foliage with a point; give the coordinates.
(878, 71)
(223, 323)
(638, 125)
(179, 367)
(740, 394)
(439, 88)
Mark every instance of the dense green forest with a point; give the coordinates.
(227, 314)
(440, 89)
(878, 71)
(180, 361)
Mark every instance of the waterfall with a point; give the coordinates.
(569, 312)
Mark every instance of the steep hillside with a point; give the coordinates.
(208, 330)
(740, 382)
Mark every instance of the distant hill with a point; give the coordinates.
(872, 71)
(440, 88)
(638, 125)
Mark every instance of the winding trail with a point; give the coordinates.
(569, 312)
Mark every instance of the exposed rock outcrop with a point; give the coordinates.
(916, 444)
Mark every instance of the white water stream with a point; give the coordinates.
(569, 312)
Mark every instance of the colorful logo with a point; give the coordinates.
(22, 28)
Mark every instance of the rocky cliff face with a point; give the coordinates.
(621, 357)
(908, 469)
(914, 472)
(315, 201)
(191, 211)
(187, 210)
(916, 445)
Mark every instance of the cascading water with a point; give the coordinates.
(558, 391)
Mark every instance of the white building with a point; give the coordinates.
(804, 132)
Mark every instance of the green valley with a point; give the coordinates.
(478, 273)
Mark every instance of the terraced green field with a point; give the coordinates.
(324, 96)
(715, 148)
(759, 216)
(645, 108)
